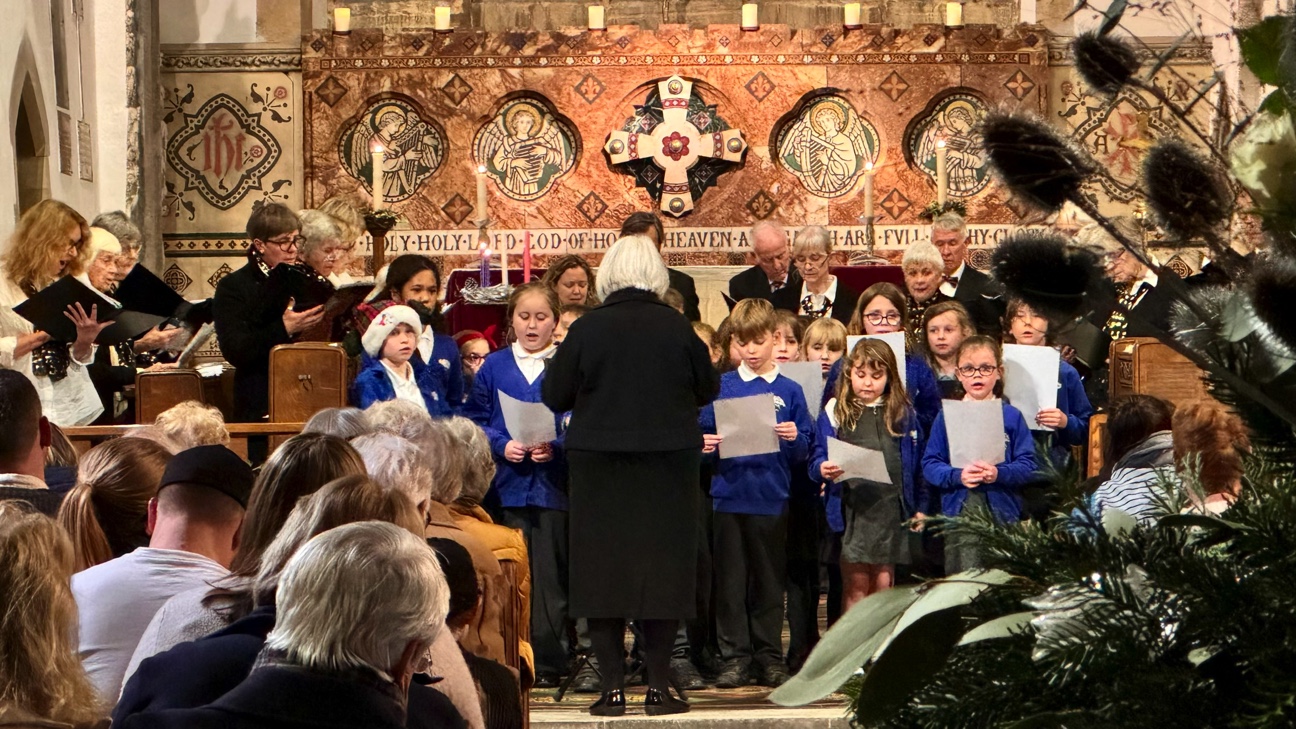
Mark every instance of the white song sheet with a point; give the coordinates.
(976, 431)
(809, 375)
(857, 462)
(894, 340)
(1031, 379)
(529, 423)
(747, 426)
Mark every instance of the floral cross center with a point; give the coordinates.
(675, 146)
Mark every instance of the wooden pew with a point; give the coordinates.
(85, 438)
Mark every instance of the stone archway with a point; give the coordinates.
(31, 148)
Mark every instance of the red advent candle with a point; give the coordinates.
(526, 258)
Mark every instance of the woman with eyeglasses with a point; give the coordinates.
(473, 348)
(821, 293)
(246, 328)
(49, 243)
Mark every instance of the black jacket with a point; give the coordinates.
(983, 298)
(754, 284)
(247, 330)
(633, 374)
(198, 673)
(683, 283)
(788, 298)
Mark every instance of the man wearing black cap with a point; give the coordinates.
(193, 525)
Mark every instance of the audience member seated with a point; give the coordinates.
(399, 417)
(61, 462)
(1209, 445)
(22, 450)
(191, 424)
(297, 469)
(42, 684)
(106, 513)
(194, 524)
(192, 674)
(357, 609)
(406, 465)
(344, 423)
(497, 686)
(1138, 458)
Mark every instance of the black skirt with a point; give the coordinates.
(633, 525)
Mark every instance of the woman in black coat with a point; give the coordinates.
(820, 293)
(633, 374)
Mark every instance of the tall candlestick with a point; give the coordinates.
(504, 277)
(483, 213)
(954, 15)
(484, 275)
(596, 18)
(868, 190)
(526, 258)
(379, 180)
(942, 174)
(342, 21)
(441, 18)
(852, 13)
(1027, 10)
(750, 19)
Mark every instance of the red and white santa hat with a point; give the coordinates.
(382, 317)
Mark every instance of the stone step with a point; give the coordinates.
(729, 718)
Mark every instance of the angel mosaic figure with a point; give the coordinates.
(965, 158)
(525, 149)
(827, 148)
(412, 149)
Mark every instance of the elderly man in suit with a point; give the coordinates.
(975, 290)
(772, 271)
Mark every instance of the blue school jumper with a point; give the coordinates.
(373, 384)
(517, 485)
(920, 383)
(914, 486)
(1072, 400)
(759, 484)
(1014, 472)
(446, 373)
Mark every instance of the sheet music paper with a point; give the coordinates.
(747, 425)
(894, 340)
(976, 431)
(809, 375)
(529, 423)
(857, 462)
(1031, 379)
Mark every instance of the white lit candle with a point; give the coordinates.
(750, 20)
(596, 19)
(441, 15)
(868, 190)
(379, 180)
(483, 213)
(341, 20)
(954, 14)
(852, 11)
(1027, 9)
(942, 175)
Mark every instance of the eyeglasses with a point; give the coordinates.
(983, 370)
(475, 357)
(875, 317)
(289, 244)
(815, 259)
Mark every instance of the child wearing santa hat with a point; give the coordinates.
(389, 370)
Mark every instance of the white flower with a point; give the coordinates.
(1264, 159)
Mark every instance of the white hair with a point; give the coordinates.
(768, 228)
(475, 460)
(318, 228)
(814, 237)
(116, 222)
(633, 262)
(950, 221)
(400, 417)
(346, 423)
(356, 596)
(397, 464)
(923, 254)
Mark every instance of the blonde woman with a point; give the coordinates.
(42, 683)
(49, 242)
(191, 424)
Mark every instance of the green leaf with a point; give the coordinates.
(914, 656)
(1201, 521)
(953, 591)
(1071, 719)
(1262, 45)
(1004, 626)
(1112, 16)
(846, 646)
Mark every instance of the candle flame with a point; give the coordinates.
(940, 143)
(378, 149)
(481, 169)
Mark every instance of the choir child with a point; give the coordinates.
(473, 348)
(415, 281)
(709, 337)
(566, 317)
(804, 519)
(825, 343)
(946, 324)
(788, 333)
(389, 366)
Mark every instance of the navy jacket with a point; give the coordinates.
(1015, 470)
(247, 331)
(372, 384)
(913, 487)
(447, 375)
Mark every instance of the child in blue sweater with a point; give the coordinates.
(979, 485)
(871, 410)
(390, 368)
(415, 281)
(750, 500)
(1069, 420)
(529, 492)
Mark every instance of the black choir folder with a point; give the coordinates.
(143, 291)
(47, 312)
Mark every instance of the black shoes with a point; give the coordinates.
(684, 675)
(734, 675)
(547, 680)
(661, 703)
(774, 675)
(587, 680)
(611, 703)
